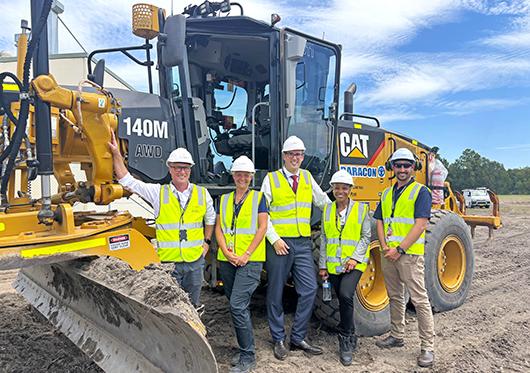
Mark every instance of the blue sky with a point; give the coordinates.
(455, 74)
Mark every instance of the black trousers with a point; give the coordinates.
(344, 286)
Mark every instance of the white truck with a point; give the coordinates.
(478, 197)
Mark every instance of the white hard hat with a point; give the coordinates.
(243, 163)
(180, 155)
(293, 143)
(342, 177)
(404, 154)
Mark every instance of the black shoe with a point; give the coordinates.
(390, 342)
(280, 351)
(426, 359)
(345, 350)
(353, 342)
(306, 347)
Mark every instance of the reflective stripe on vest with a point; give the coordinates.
(246, 225)
(291, 214)
(403, 219)
(340, 248)
(168, 225)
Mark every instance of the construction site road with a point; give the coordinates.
(490, 332)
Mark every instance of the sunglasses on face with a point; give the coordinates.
(402, 165)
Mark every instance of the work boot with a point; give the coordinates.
(345, 350)
(280, 351)
(390, 342)
(243, 367)
(353, 342)
(235, 359)
(426, 359)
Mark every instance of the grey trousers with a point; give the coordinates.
(239, 285)
(300, 263)
(190, 276)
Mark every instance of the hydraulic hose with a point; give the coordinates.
(20, 128)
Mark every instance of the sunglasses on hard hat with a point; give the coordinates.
(402, 165)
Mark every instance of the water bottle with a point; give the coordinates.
(326, 291)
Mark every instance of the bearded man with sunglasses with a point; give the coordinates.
(185, 217)
(402, 218)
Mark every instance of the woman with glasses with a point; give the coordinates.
(343, 254)
(240, 230)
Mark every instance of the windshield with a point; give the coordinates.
(315, 82)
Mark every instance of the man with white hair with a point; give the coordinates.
(291, 191)
(185, 217)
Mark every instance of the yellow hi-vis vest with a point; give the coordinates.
(245, 227)
(171, 220)
(340, 248)
(403, 220)
(291, 214)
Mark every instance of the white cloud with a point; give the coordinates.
(428, 77)
(515, 147)
(465, 107)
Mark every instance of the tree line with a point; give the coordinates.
(471, 170)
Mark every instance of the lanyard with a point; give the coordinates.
(287, 178)
(237, 208)
(337, 221)
(399, 193)
(183, 209)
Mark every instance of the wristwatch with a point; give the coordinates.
(208, 241)
(400, 250)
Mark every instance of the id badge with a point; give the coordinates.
(230, 244)
(183, 235)
(389, 231)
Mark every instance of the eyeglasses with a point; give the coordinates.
(294, 154)
(402, 165)
(180, 168)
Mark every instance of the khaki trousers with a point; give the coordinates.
(408, 271)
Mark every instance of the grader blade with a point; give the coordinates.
(119, 329)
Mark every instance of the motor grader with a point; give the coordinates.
(228, 85)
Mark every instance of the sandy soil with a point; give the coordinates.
(490, 332)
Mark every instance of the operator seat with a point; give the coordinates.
(241, 139)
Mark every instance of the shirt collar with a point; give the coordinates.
(289, 174)
(187, 191)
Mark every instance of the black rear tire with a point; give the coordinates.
(443, 225)
(367, 322)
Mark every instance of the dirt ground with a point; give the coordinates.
(490, 332)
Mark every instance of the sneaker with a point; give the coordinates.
(200, 309)
(390, 342)
(243, 367)
(426, 359)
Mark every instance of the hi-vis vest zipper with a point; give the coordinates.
(403, 220)
(246, 225)
(339, 248)
(168, 226)
(291, 214)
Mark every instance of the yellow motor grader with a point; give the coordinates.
(228, 86)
